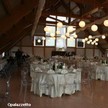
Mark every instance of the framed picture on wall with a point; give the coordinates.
(38, 41)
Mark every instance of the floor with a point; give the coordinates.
(94, 95)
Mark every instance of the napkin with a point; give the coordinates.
(37, 69)
(74, 70)
(64, 71)
(50, 71)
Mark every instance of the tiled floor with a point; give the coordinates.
(91, 96)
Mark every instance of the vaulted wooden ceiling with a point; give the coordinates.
(20, 17)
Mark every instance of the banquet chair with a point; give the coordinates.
(69, 83)
(39, 85)
(51, 81)
(5, 89)
(25, 81)
(86, 80)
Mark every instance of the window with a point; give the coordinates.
(70, 42)
(80, 44)
(38, 41)
(50, 41)
(61, 30)
(62, 18)
(50, 19)
(52, 30)
(60, 44)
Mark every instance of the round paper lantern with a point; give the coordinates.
(90, 36)
(103, 36)
(106, 23)
(52, 34)
(82, 24)
(59, 24)
(43, 38)
(38, 40)
(94, 27)
(96, 39)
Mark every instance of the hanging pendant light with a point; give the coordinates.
(96, 43)
(57, 32)
(90, 36)
(59, 24)
(75, 36)
(70, 29)
(103, 36)
(97, 39)
(82, 23)
(52, 34)
(38, 40)
(43, 38)
(94, 27)
(46, 29)
(67, 34)
(106, 23)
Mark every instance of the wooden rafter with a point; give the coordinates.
(86, 2)
(58, 20)
(17, 15)
(65, 6)
(17, 39)
(7, 7)
(62, 14)
(38, 15)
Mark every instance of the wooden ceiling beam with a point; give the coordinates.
(91, 2)
(66, 6)
(38, 15)
(6, 5)
(15, 40)
(58, 20)
(11, 34)
(18, 13)
(61, 14)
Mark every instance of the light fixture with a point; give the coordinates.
(83, 40)
(46, 29)
(90, 36)
(92, 43)
(103, 36)
(96, 43)
(59, 24)
(82, 23)
(63, 36)
(71, 38)
(52, 34)
(88, 42)
(43, 38)
(75, 36)
(86, 39)
(96, 39)
(57, 32)
(94, 27)
(38, 40)
(70, 29)
(53, 38)
(106, 23)
(67, 34)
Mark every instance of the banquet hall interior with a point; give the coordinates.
(54, 53)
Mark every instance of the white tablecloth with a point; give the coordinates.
(54, 84)
(102, 72)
